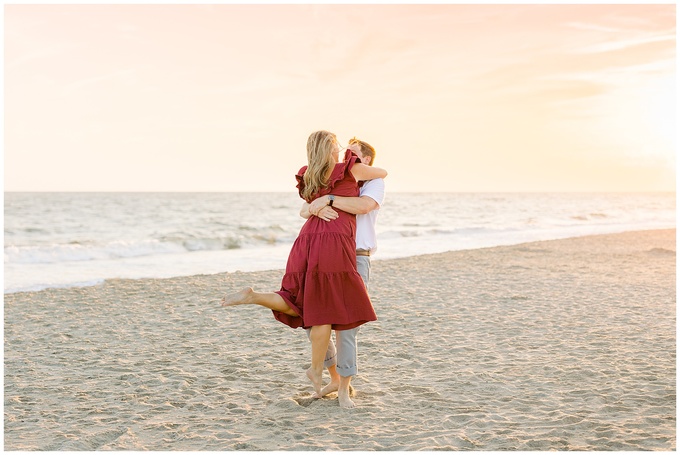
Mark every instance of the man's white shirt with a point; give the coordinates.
(366, 236)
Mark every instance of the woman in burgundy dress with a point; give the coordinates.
(321, 288)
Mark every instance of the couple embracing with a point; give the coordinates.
(325, 284)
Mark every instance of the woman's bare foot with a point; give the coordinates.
(330, 388)
(344, 399)
(316, 378)
(241, 297)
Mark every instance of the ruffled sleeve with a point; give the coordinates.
(340, 172)
(300, 180)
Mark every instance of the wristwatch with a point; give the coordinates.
(331, 198)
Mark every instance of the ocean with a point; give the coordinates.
(82, 239)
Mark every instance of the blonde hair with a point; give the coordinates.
(366, 148)
(320, 163)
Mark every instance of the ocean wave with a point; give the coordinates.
(55, 238)
(171, 243)
(402, 233)
(590, 216)
(56, 253)
(399, 234)
(75, 251)
(204, 243)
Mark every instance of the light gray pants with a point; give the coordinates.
(345, 356)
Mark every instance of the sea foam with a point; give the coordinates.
(66, 239)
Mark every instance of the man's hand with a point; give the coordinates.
(327, 213)
(317, 205)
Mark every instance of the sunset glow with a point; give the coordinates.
(453, 97)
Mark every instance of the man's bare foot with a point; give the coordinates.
(330, 388)
(241, 297)
(316, 378)
(344, 399)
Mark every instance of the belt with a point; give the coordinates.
(363, 252)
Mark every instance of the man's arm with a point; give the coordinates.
(355, 205)
(304, 211)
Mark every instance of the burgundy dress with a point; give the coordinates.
(321, 283)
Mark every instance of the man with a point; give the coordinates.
(372, 194)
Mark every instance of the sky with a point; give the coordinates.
(454, 97)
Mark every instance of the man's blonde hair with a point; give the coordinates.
(366, 148)
(320, 163)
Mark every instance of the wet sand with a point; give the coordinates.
(556, 345)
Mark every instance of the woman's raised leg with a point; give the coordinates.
(270, 300)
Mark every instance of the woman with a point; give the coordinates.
(321, 288)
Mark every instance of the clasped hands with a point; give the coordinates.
(319, 208)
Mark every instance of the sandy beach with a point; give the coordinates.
(555, 345)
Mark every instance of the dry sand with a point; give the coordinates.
(557, 345)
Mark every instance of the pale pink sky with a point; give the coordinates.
(453, 97)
